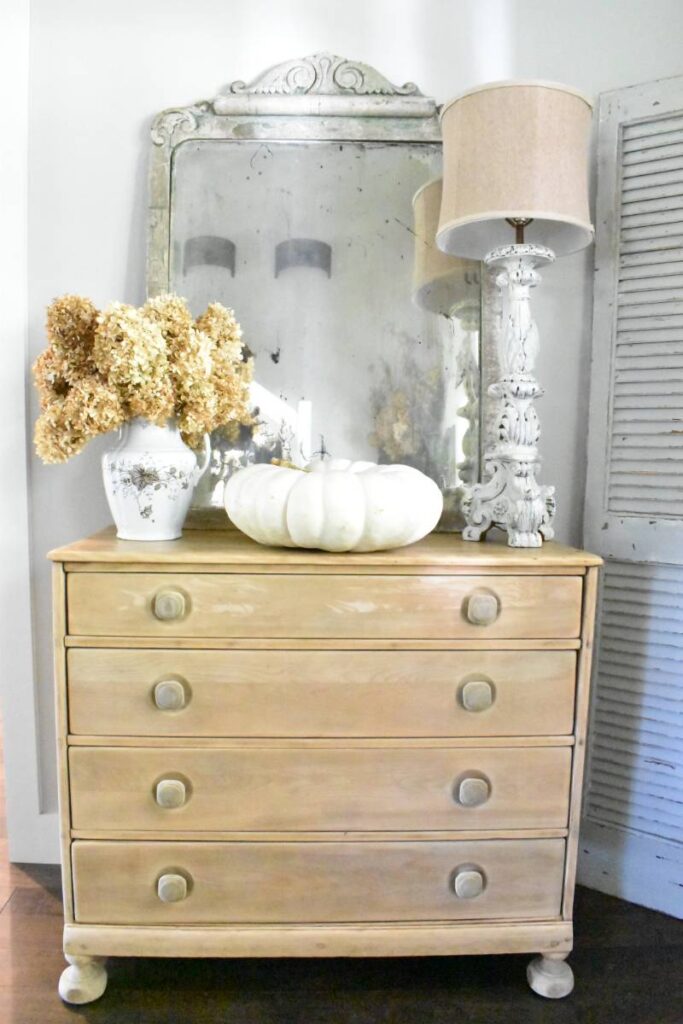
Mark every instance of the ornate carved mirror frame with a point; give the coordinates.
(318, 98)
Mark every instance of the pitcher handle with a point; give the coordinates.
(203, 465)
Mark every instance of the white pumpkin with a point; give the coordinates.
(334, 504)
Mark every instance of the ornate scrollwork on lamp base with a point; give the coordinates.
(512, 499)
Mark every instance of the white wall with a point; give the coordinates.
(99, 71)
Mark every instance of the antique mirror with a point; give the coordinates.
(302, 201)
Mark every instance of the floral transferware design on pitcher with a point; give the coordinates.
(141, 480)
(149, 479)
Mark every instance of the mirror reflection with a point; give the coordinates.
(365, 336)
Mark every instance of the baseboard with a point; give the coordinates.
(639, 868)
(33, 838)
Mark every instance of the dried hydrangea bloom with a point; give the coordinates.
(130, 352)
(91, 407)
(70, 325)
(50, 377)
(53, 441)
(190, 365)
(232, 369)
(189, 358)
(222, 327)
(100, 405)
(103, 369)
(174, 319)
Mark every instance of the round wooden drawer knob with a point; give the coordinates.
(473, 791)
(468, 883)
(169, 605)
(477, 695)
(482, 608)
(171, 793)
(172, 888)
(169, 695)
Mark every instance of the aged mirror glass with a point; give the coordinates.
(291, 201)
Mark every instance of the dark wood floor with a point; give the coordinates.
(628, 964)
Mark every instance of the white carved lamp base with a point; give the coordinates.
(550, 977)
(83, 981)
(511, 498)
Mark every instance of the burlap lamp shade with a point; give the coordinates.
(515, 150)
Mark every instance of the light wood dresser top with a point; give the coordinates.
(229, 547)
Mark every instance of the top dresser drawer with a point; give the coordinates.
(317, 606)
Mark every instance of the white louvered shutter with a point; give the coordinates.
(632, 832)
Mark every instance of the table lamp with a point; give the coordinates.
(515, 167)
(450, 286)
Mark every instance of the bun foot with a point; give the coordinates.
(550, 977)
(83, 981)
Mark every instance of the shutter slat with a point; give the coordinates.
(629, 593)
(640, 184)
(673, 387)
(655, 468)
(656, 788)
(628, 692)
(652, 144)
(661, 271)
(648, 348)
(653, 127)
(647, 373)
(645, 246)
(658, 229)
(648, 441)
(658, 729)
(644, 283)
(646, 192)
(643, 452)
(638, 203)
(631, 218)
(670, 800)
(633, 820)
(653, 167)
(650, 296)
(644, 333)
(615, 752)
(651, 259)
(640, 358)
(668, 152)
(644, 402)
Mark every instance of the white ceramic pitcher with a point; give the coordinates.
(149, 479)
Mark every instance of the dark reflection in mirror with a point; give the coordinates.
(303, 252)
(209, 251)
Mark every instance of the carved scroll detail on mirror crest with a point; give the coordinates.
(169, 121)
(322, 74)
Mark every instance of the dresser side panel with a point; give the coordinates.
(590, 594)
(59, 618)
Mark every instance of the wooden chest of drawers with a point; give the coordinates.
(289, 753)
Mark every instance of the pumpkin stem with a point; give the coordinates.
(287, 464)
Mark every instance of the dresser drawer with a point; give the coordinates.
(271, 788)
(118, 883)
(302, 606)
(320, 693)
